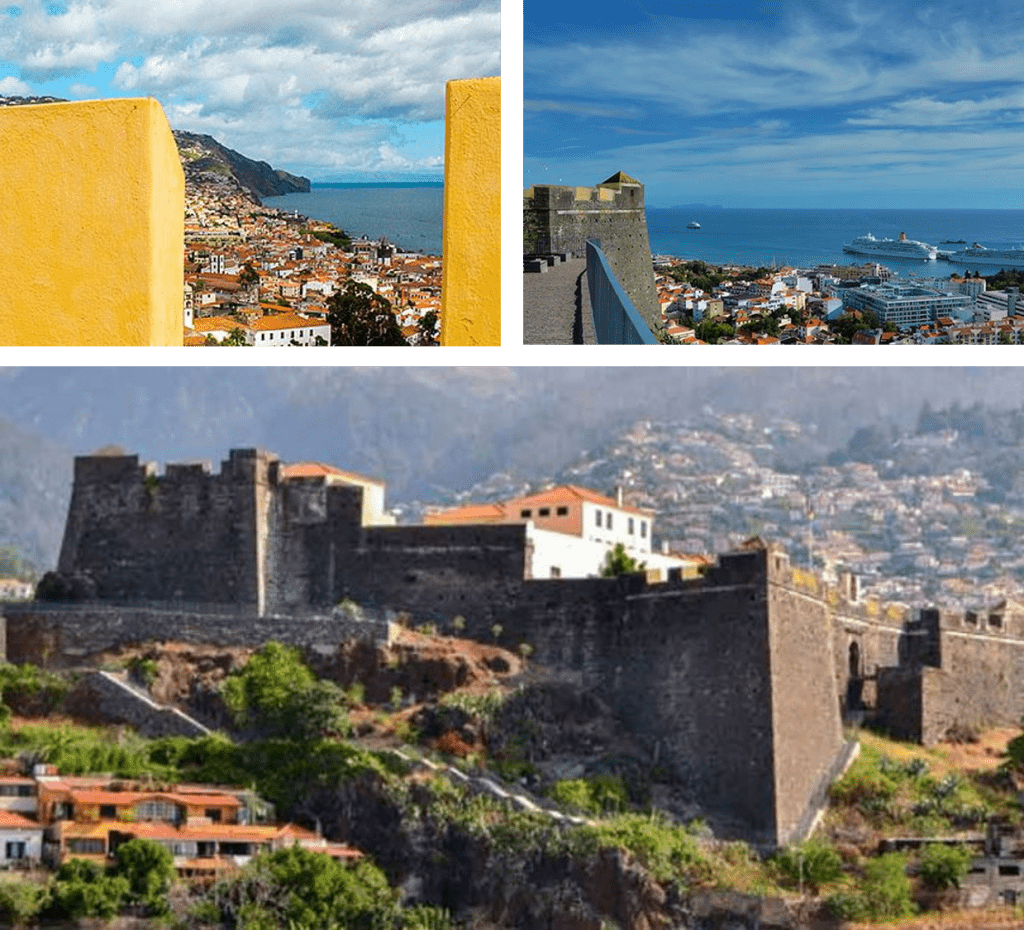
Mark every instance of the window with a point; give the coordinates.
(158, 810)
(82, 846)
(631, 530)
(562, 512)
(643, 529)
(526, 514)
(597, 513)
(108, 811)
(544, 512)
(15, 849)
(556, 572)
(608, 521)
(213, 814)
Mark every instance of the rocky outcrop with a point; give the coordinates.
(204, 153)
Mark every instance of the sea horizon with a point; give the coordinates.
(809, 236)
(408, 213)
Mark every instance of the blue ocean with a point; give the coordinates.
(409, 214)
(805, 238)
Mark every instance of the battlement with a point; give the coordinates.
(559, 219)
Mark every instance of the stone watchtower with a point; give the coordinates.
(562, 219)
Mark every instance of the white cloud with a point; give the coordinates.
(370, 60)
(12, 87)
(814, 57)
(308, 86)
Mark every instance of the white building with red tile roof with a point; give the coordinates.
(571, 529)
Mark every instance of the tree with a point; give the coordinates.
(427, 325)
(710, 331)
(361, 317)
(235, 338)
(249, 276)
(619, 562)
(148, 868)
(277, 695)
(82, 890)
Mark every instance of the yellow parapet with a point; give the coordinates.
(92, 225)
(471, 284)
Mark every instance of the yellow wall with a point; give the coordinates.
(471, 287)
(92, 225)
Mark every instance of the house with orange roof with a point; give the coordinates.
(570, 529)
(287, 329)
(207, 830)
(21, 838)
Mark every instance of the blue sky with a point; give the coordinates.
(334, 91)
(788, 103)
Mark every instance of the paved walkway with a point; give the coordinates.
(556, 306)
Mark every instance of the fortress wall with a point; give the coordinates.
(435, 572)
(187, 535)
(59, 637)
(311, 523)
(561, 219)
(806, 726)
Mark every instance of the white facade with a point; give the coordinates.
(20, 838)
(305, 335)
(561, 555)
(610, 525)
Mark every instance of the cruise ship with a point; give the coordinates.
(979, 255)
(892, 248)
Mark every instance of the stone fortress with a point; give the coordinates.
(559, 220)
(738, 682)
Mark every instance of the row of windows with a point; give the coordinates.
(602, 518)
(630, 525)
(526, 513)
(286, 335)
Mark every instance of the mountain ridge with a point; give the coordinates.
(257, 177)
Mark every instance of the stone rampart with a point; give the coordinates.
(55, 636)
(561, 219)
(188, 535)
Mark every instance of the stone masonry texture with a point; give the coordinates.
(561, 220)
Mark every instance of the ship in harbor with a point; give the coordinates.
(892, 248)
(979, 255)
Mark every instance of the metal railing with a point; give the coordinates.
(616, 320)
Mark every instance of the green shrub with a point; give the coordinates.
(599, 794)
(944, 866)
(847, 905)
(809, 865)
(426, 918)
(574, 793)
(667, 851)
(865, 783)
(144, 669)
(886, 887)
(22, 902)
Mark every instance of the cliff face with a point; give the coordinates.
(204, 153)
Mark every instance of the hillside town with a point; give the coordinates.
(912, 528)
(829, 305)
(259, 276)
